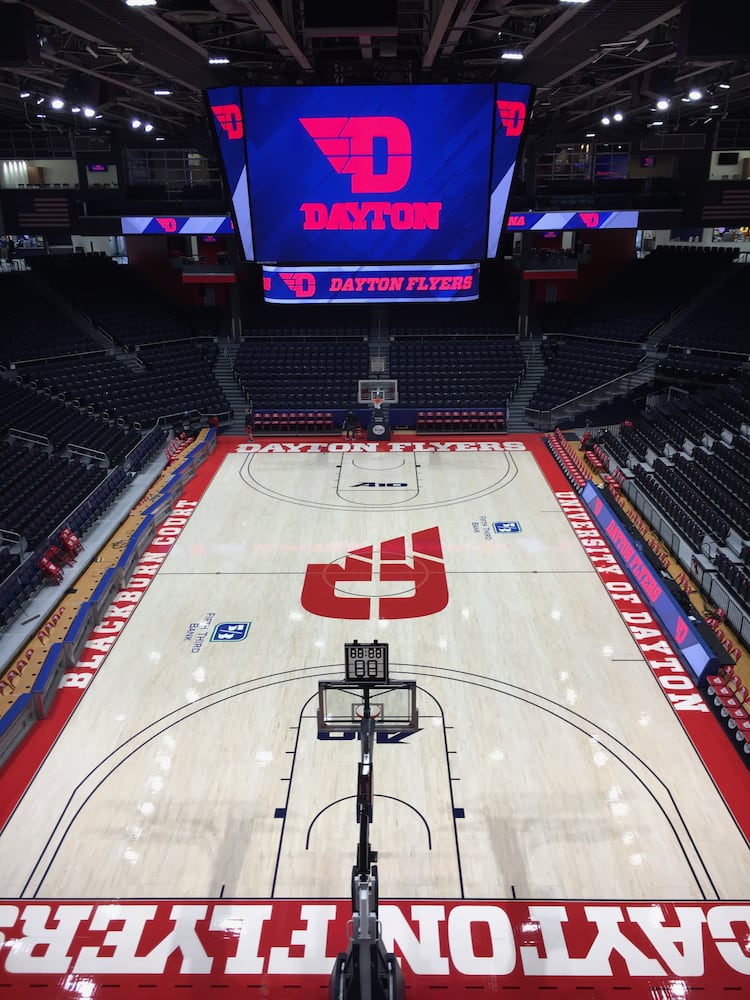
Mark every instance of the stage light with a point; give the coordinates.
(88, 112)
(57, 103)
(606, 120)
(512, 54)
(695, 94)
(618, 116)
(663, 103)
(148, 127)
(135, 122)
(218, 60)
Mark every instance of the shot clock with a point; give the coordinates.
(365, 662)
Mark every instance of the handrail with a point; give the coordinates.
(57, 357)
(16, 432)
(92, 453)
(11, 537)
(537, 414)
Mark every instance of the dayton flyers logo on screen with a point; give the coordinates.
(512, 116)
(229, 117)
(375, 152)
(301, 283)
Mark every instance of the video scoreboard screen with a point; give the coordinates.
(370, 174)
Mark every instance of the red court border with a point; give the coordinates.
(707, 944)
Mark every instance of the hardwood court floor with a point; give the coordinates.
(549, 763)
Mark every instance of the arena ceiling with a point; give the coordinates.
(586, 59)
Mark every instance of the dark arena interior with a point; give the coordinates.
(322, 321)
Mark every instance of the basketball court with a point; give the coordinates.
(548, 763)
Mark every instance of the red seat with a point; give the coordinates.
(52, 571)
(70, 541)
(59, 556)
(742, 733)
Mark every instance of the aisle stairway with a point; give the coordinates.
(224, 372)
(535, 367)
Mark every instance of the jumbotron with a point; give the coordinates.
(372, 215)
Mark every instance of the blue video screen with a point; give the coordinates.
(370, 174)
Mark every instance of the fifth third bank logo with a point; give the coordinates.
(375, 151)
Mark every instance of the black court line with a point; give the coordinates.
(523, 695)
(423, 715)
(412, 491)
(376, 795)
(246, 476)
(617, 756)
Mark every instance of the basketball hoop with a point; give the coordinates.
(375, 711)
(377, 401)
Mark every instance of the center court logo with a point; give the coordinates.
(330, 589)
(376, 153)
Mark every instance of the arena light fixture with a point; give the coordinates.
(695, 94)
(590, 135)
(574, 1)
(57, 103)
(218, 60)
(162, 93)
(148, 127)
(618, 116)
(663, 103)
(135, 122)
(513, 54)
(725, 86)
(140, 3)
(160, 138)
(88, 112)
(606, 120)
(713, 107)
(24, 94)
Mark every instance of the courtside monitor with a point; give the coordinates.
(370, 174)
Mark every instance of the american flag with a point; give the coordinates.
(43, 212)
(734, 206)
